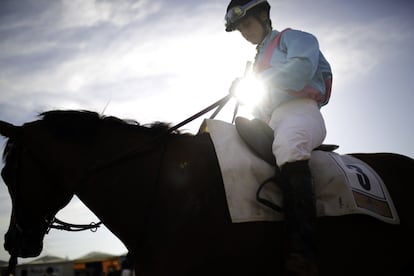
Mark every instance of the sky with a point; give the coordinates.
(165, 60)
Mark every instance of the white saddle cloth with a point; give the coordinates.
(343, 184)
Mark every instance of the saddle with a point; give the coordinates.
(259, 136)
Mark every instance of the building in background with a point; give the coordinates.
(92, 264)
(97, 264)
(3, 267)
(46, 266)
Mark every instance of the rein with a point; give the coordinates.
(132, 152)
(53, 223)
(219, 104)
(58, 224)
(149, 146)
(61, 225)
(12, 265)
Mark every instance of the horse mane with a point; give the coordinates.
(83, 124)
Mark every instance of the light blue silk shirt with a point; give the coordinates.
(296, 63)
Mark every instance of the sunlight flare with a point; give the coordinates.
(249, 91)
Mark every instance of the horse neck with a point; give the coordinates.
(121, 194)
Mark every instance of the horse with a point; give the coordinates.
(161, 193)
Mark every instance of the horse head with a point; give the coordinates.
(32, 188)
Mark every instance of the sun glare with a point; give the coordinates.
(250, 91)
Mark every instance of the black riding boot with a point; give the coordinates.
(300, 216)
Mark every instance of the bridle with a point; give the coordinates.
(54, 223)
(51, 222)
(58, 224)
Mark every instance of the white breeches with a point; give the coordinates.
(298, 127)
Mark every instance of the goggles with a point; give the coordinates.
(236, 13)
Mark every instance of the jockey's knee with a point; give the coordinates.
(291, 148)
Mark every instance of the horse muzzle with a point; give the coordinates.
(22, 243)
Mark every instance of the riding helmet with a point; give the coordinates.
(238, 9)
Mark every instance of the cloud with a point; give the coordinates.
(166, 60)
(86, 54)
(98, 59)
(357, 37)
(81, 13)
(355, 50)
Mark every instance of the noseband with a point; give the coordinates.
(51, 223)
(55, 223)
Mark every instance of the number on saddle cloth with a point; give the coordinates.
(259, 136)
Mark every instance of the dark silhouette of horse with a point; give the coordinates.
(162, 195)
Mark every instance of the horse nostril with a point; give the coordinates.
(22, 246)
(10, 242)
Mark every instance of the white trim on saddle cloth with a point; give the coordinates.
(343, 184)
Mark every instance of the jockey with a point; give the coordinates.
(298, 80)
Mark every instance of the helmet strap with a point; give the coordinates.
(266, 25)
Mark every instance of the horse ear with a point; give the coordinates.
(8, 130)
